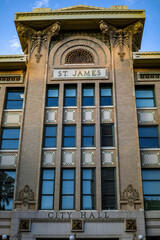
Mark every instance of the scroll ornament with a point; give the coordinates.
(130, 195)
(26, 195)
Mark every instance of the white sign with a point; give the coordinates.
(80, 73)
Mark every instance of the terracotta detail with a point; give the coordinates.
(130, 195)
(26, 195)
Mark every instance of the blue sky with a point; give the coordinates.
(9, 43)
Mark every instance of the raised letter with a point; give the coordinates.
(50, 214)
(91, 215)
(63, 213)
(69, 214)
(83, 214)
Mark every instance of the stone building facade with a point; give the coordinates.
(79, 115)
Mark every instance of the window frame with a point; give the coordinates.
(9, 139)
(102, 135)
(106, 86)
(48, 137)
(88, 86)
(89, 136)
(14, 90)
(73, 87)
(52, 87)
(69, 136)
(145, 88)
(150, 137)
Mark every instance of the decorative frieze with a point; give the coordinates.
(150, 159)
(106, 115)
(11, 78)
(12, 118)
(8, 159)
(146, 117)
(148, 76)
(107, 158)
(48, 158)
(87, 158)
(68, 158)
(69, 116)
(51, 116)
(88, 115)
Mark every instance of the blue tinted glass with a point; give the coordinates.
(11, 174)
(70, 101)
(151, 187)
(70, 92)
(52, 92)
(68, 174)
(47, 187)
(106, 101)
(88, 92)
(6, 205)
(10, 133)
(68, 187)
(105, 92)
(145, 103)
(148, 143)
(147, 131)
(152, 198)
(47, 202)
(144, 93)
(48, 174)
(88, 142)
(88, 130)
(69, 130)
(88, 101)
(50, 142)
(87, 202)
(52, 102)
(87, 187)
(51, 131)
(15, 95)
(69, 142)
(14, 105)
(67, 202)
(9, 144)
(87, 174)
(151, 174)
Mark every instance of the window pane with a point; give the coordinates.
(148, 142)
(52, 92)
(51, 131)
(106, 101)
(15, 95)
(87, 187)
(70, 101)
(48, 187)
(52, 102)
(9, 144)
(106, 92)
(48, 174)
(88, 101)
(69, 142)
(106, 130)
(151, 174)
(88, 92)
(69, 130)
(144, 93)
(88, 131)
(145, 103)
(107, 141)
(88, 142)
(14, 105)
(88, 202)
(47, 202)
(67, 202)
(68, 174)
(6, 204)
(11, 133)
(148, 131)
(70, 92)
(151, 187)
(68, 187)
(87, 174)
(50, 142)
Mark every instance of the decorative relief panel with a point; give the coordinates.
(11, 118)
(16, 78)
(68, 158)
(146, 117)
(69, 116)
(107, 158)
(51, 116)
(150, 159)
(8, 159)
(148, 76)
(88, 115)
(48, 158)
(87, 158)
(106, 115)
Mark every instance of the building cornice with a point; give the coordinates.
(146, 59)
(11, 62)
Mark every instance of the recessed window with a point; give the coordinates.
(50, 133)
(105, 95)
(10, 138)
(47, 189)
(70, 96)
(88, 95)
(79, 56)
(52, 96)
(68, 189)
(14, 98)
(107, 135)
(7, 180)
(145, 97)
(88, 189)
(88, 136)
(69, 136)
(108, 188)
(151, 188)
(148, 137)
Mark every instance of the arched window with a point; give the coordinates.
(79, 56)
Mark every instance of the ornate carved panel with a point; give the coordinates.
(11, 78)
(107, 158)
(11, 118)
(87, 158)
(146, 117)
(48, 158)
(88, 115)
(8, 159)
(26, 195)
(68, 158)
(148, 76)
(130, 195)
(69, 116)
(51, 116)
(150, 158)
(79, 56)
(106, 115)
(130, 225)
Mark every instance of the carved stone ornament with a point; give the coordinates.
(130, 195)
(127, 35)
(26, 195)
(38, 38)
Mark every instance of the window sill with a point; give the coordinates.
(70, 107)
(147, 108)
(88, 148)
(49, 149)
(146, 149)
(108, 148)
(8, 150)
(13, 110)
(107, 106)
(69, 148)
(51, 107)
(88, 107)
